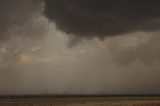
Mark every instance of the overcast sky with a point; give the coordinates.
(79, 47)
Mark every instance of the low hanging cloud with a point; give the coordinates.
(79, 18)
(103, 18)
(146, 52)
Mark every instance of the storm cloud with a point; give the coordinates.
(34, 58)
(103, 18)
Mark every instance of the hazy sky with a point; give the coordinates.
(79, 47)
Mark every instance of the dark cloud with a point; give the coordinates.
(103, 18)
(18, 17)
(119, 65)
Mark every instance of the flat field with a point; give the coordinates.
(82, 101)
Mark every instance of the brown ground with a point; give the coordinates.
(83, 102)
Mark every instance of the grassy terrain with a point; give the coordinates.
(82, 101)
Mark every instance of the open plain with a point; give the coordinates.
(81, 101)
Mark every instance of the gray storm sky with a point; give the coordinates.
(38, 56)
